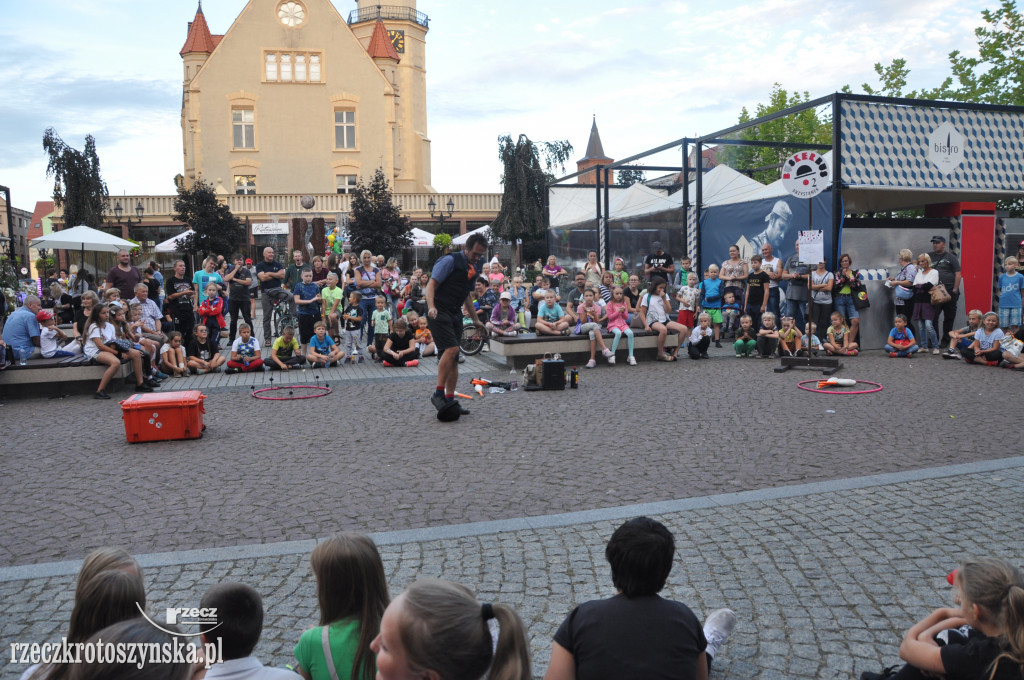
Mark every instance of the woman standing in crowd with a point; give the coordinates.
(822, 281)
(847, 281)
(593, 269)
(368, 282)
(734, 274)
(902, 284)
(924, 312)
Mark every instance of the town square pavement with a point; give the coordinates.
(827, 522)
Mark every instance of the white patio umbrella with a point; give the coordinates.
(83, 238)
(421, 238)
(461, 240)
(171, 244)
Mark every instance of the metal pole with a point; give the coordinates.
(597, 220)
(607, 229)
(810, 277)
(686, 201)
(837, 181)
(699, 169)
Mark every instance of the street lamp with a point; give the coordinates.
(440, 216)
(139, 210)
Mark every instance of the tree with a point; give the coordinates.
(628, 178)
(525, 179)
(806, 126)
(78, 188)
(216, 230)
(377, 223)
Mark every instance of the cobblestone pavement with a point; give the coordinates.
(823, 577)
(273, 471)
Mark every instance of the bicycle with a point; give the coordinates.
(280, 314)
(473, 338)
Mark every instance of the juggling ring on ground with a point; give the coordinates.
(317, 391)
(877, 388)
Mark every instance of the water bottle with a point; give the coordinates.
(513, 379)
(574, 378)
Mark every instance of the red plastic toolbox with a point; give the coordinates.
(163, 415)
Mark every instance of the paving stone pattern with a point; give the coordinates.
(823, 584)
(372, 457)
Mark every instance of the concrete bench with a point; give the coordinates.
(57, 377)
(526, 348)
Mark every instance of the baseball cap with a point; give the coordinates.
(951, 577)
(656, 245)
(938, 239)
(505, 296)
(44, 315)
(248, 260)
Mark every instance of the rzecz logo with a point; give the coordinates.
(185, 616)
(946, 148)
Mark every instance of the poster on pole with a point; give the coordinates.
(812, 246)
(805, 174)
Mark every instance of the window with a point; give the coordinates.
(243, 128)
(292, 67)
(245, 184)
(286, 68)
(344, 129)
(346, 184)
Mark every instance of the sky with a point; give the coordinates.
(650, 71)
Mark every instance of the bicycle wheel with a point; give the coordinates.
(278, 321)
(472, 340)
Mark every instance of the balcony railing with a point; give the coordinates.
(285, 206)
(391, 12)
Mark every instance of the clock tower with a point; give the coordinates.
(406, 31)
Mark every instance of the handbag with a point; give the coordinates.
(860, 298)
(940, 295)
(120, 345)
(903, 293)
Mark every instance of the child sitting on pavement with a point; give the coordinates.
(813, 345)
(790, 342)
(838, 339)
(284, 354)
(901, 339)
(399, 349)
(245, 352)
(172, 356)
(203, 356)
(700, 337)
(961, 338)
(322, 349)
(767, 337)
(746, 337)
(985, 348)
(424, 338)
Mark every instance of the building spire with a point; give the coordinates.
(199, 38)
(594, 148)
(380, 46)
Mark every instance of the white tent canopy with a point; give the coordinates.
(421, 238)
(485, 231)
(83, 238)
(171, 244)
(572, 204)
(640, 200)
(722, 185)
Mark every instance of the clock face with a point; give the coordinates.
(397, 40)
(291, 14)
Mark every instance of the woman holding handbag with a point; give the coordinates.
(847, 283)
(903, 284)
(924, 312)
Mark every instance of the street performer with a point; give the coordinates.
(451, 287)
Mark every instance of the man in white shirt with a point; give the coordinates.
(773, 267)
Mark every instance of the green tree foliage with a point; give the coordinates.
(78, 188)
(216, 230)
(527, 169)
(807, 126)
(628, 178)
(377, 223)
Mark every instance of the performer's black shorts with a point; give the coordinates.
(446, 329)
